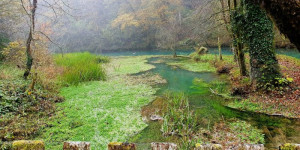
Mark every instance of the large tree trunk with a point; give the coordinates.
(29, 63)
(286, 15)
(259, 30)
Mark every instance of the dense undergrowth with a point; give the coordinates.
(27, 105)
(23, 112)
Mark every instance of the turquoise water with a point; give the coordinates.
(277, 130)
(225, 51)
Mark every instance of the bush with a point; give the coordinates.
(81, 67)
(3, 42)
(14, 53)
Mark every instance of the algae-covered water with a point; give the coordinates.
(277, 130)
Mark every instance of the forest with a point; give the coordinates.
(149, 74)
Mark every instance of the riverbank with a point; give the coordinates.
(284, 103)
(104, 111)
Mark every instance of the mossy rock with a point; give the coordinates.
(28, 145)
(289, 146)
(121, 146)
(199, 146)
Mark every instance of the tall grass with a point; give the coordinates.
(81, 67)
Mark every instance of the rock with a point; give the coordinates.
(121, 146)
(224, 69)
(77, 145)
(163, 146)
(248, 147)
(208, 147)
(28, 145)
(289, 146)
(156, 118)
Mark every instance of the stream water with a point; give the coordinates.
(277, 130)
(225, 51)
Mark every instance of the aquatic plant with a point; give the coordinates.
(179, 120)
(105, 111)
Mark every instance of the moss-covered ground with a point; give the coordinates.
(191, 65)
(102, 111)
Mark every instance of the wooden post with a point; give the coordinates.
(121, 146)
(28, 145)
(77, 145)
(163, 146)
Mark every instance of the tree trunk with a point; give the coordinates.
(29, 55)
(29, 62)
(220, 50)
(174, 54)
(285, 14)
(241, 59)
(264, 65)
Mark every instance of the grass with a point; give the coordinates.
(81, 67)
(245, 105)
(205, 63)
(246, 133)
(129, 65)
(190, 65)
(9, 72)
(102, 111)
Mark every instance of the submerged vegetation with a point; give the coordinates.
(182, 122)
(272, 101)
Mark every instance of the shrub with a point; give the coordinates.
(15, 54)
(80, 67)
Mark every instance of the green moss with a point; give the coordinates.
(192, 65)
(102, 111)
(129, 65)
(28, 145)
(245, 105)
(247, 133)
(288, 146)
(204, 64)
